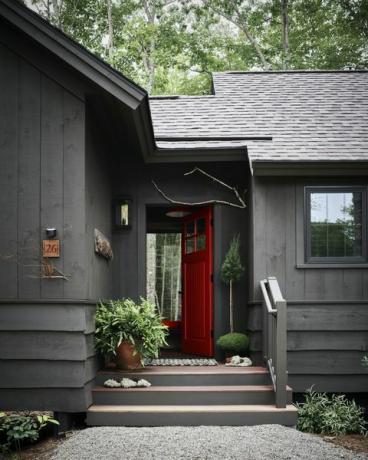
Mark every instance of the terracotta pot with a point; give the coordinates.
(125, 357)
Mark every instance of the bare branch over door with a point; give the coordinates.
(240, 205)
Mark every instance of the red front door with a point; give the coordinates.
(197, 306)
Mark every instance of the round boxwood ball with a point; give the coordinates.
(234, 342)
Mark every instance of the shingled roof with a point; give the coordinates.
(291, 116)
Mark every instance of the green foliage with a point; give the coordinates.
(172, 47)
(232, 268)
(234, 342)
(124, 320)
(329, 415)
(16, 429)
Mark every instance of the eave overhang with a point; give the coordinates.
(310, 168)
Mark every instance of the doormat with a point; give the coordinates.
(180, 362)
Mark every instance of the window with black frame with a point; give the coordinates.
(336, 224)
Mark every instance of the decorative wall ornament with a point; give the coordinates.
(103, 245)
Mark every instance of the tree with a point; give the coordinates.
(232, 270)
(171, 47)
(238, 12)
(285, 33)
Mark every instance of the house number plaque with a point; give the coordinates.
(51, 248)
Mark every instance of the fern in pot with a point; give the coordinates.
(130, 331)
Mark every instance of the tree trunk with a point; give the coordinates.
(285, 34)
(110, 42)
(231, 307)
(163, 271)
(241, 23)
(253, 42)
(57, 8)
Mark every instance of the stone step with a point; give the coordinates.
(195, 415)
(187, 395)
(188, 375)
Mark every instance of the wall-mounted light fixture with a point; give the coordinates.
(123, 213)
(50, 232)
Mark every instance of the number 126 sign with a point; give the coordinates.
(51, 248)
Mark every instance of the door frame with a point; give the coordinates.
(209, 232)
(142, 249)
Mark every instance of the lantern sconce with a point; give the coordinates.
(50, 232)
(123, 213)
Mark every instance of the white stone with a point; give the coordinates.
(143, 383)
(111, 383)
(238, 361)
(128, 383)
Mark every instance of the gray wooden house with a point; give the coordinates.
(80, 145)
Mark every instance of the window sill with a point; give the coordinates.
(329, 265)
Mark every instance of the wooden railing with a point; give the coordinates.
(275, 337)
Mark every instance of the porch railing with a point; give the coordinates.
(275, 337)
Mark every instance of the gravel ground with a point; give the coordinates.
(261, 442)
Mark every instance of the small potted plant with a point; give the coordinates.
(232, 270)
(130, 331)
(234, 343)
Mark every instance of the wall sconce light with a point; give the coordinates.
(123, 213)
(50, 232)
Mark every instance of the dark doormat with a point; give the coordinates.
(180, 362)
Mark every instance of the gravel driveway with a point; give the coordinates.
(201, 443)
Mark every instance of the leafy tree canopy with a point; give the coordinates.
(172, 46)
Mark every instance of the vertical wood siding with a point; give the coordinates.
(42, 179)
(327, 307)
(47, 357)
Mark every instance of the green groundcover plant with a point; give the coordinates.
(17, 429)
(124, 320)
(333, 415)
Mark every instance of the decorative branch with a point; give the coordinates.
(49, 271)
(242, 204)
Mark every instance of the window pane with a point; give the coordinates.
(201, 225)
(336, 224)
(190, 228)
(189, 245)
(201, 242)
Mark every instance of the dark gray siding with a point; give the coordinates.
(42, 175)
(47, 355)
(327, 307)
(133, 179)
(98, 207)
(46, 343)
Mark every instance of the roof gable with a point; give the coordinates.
(78, 57)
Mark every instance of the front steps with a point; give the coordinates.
(189, 396)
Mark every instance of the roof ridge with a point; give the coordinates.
(291, 71)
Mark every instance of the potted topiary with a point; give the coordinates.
(231, 271)
(234, 343)
(130, 331)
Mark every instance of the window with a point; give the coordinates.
(195, 236)
(335, 224)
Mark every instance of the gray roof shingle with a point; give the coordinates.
(310, 115)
